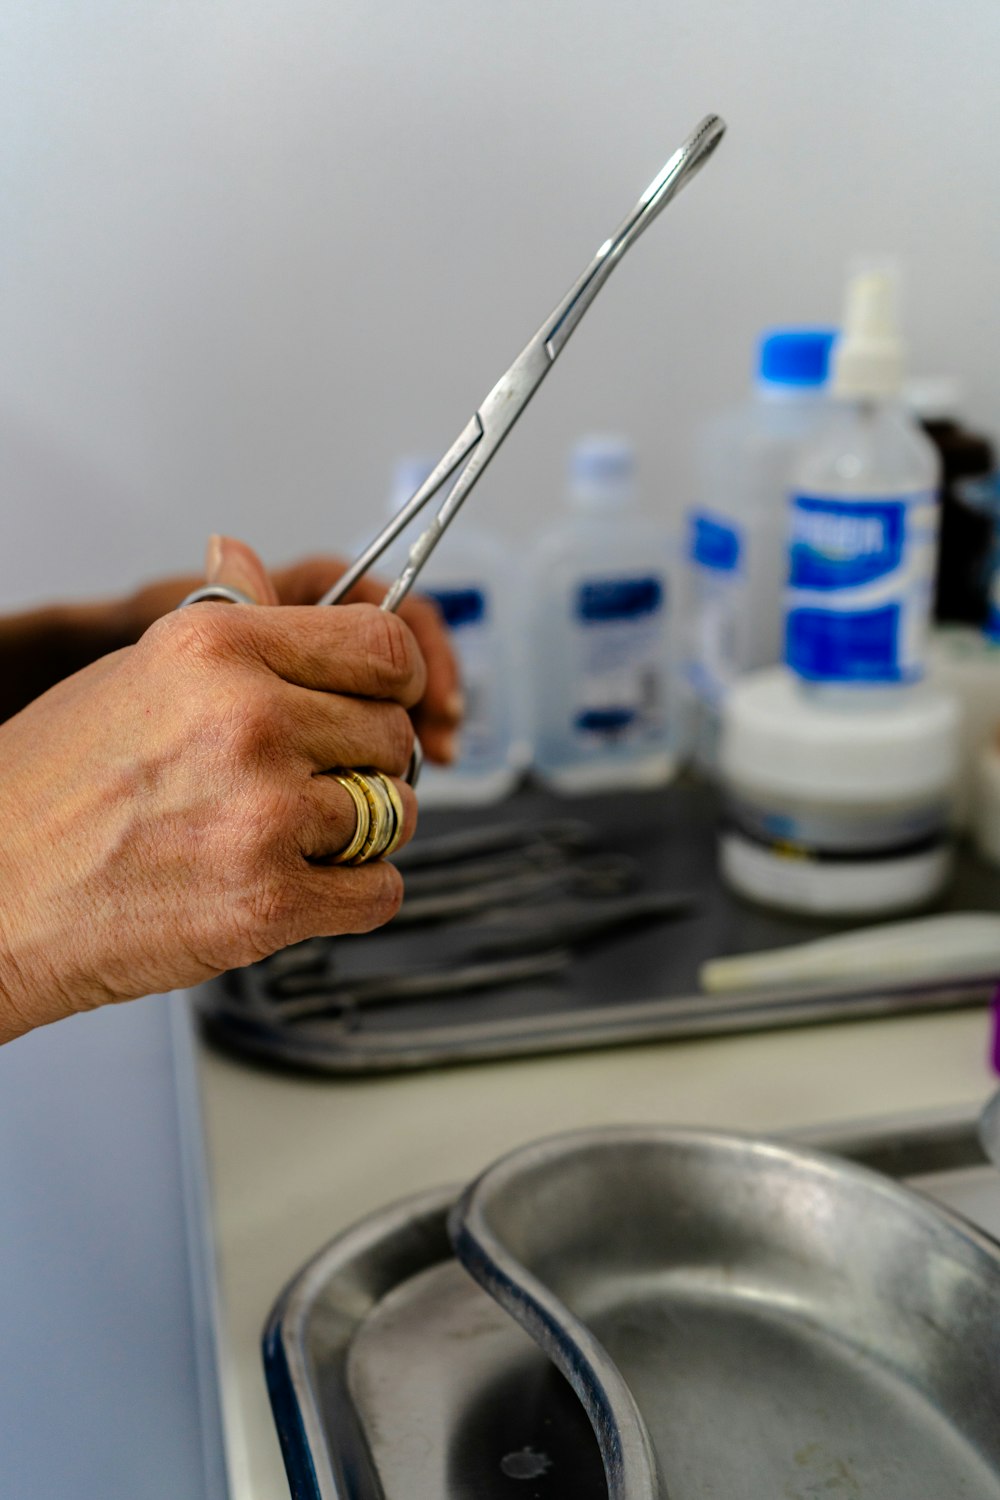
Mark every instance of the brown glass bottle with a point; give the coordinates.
(966, 539)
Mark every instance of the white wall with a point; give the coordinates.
(251, 251)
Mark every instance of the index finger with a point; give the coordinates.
(439, 713)
(351, 648)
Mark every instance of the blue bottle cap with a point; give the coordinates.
(795, 356)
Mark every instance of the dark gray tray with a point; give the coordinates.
(639, 986)
(392, 1376)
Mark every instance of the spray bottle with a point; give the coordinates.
(864, 517)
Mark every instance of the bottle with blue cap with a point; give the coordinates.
(469, 577)
(736, 556)
(599, 624)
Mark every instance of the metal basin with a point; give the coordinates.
(742, 1318)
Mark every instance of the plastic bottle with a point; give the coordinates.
(469, 576)
(600, 649)
(736, 543)
(864, 517)
(838, 780)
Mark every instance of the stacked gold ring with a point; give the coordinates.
(380, 816)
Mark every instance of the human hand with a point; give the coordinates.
(438, 715)
(164, 812)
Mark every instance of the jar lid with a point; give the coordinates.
(778, 739)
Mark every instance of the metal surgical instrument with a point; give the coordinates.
(444, 850)
(482, 435)
(508, 948)
(472, 450)
(605, 875)
(345, 997)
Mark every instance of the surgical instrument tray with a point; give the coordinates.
(639, 985)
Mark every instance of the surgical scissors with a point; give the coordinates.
(489, 425)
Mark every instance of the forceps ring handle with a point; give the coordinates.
(218, 592)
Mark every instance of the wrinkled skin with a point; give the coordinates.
(437, 715)
(40, 647)
(165, 812)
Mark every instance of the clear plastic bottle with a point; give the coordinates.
(736, 552)
(469, 575)
(864, 519)
(599, 641)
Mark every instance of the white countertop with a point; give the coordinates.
(294, 1160)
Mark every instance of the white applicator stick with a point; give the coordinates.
(954, 944)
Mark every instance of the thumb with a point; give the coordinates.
(238, 566)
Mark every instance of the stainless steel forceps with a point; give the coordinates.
(486, 430)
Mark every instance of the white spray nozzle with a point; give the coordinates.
(868, 356)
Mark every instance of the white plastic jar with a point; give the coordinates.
(836, 814)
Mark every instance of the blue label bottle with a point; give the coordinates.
(599, 636)
(864, 515)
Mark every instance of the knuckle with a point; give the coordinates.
(389, 650)
(251, 723)
(203, 631)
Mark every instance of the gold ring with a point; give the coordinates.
(392, 792)
(349, 853)
(382, 817)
